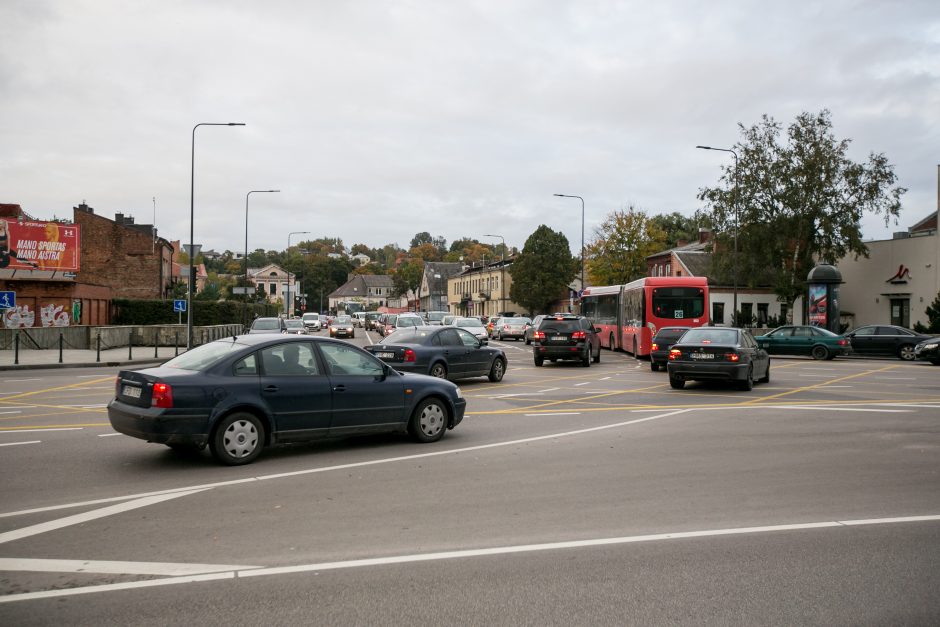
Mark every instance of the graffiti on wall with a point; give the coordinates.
(21, 317)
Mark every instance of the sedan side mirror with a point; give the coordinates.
(484, 341)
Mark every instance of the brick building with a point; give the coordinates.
(118, 259)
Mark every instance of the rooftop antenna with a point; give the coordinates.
(153, 229)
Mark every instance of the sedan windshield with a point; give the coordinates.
(409, 335)
(295, 324)
(467, 322)
(710, 336)
(266, 324)
(343, 320)
(205, 356)
(410, 321)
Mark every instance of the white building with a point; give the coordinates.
(272, 281)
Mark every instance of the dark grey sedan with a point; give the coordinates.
(445, 352)
(718, 354)
(240, 394)
(885, 340)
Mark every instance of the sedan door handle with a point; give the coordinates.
(271, 388)
(339, 388)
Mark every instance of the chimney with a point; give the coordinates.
(682, 242)
(704, 235)
(119, 218)
(84, 207)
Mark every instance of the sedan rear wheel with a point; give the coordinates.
(238, 439)
(820, 352)
(497, 370)
(429, 421)
(676, 384)
(438, 370)
(748, 383)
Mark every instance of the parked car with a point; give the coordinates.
(663, 340)
(566, 337)
(359, 319)
(929, 350)
(238, 395)
(474, 326)
(816, 342)
(446, 352)
(885, 340)
(529, 332)
(312, 321)
(295, 326)
(718, 354)
(342, 326)
(435, 318)
(268, 325)
(514, 328)
(371, 317)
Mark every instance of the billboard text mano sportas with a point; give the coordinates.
(39, 246)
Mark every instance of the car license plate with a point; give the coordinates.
(558, 338)
(385, 355)
(701, 355)
(131, 391)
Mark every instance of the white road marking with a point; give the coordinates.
(42, 430)
(585, 383)
(108, 435)
(19, 380)
(18, 443)
(604, 378)
(166, 569)
(548, 390)
(915, 406)
(569, 413)
(468, 553)
(814, 408)
(835, 386)
(52, 525)
(11, 412)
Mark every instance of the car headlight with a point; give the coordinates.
(459, 393)
(929, 346)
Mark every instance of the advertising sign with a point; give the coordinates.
(44, 247)
(818, 305)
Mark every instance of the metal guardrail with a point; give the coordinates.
(105, 337)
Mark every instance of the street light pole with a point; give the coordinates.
(192, 214)
(287, 298)
(737, 222)
(582, 234)
(502, 273)
(254, 191)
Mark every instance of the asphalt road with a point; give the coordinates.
(568, 495)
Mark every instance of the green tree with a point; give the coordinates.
(621, 245)
(543, 270)
(795, 203)
(933, 318)
(408, 276)
(678, 227)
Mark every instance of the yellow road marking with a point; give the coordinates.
(72, 426)
(55, 389)
(816, 385)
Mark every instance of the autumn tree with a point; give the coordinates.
(795, 202)
(543, 270)
(618, 252)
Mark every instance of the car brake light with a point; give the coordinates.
(538, 335)
(578, 335)
(843, 342)
(675, 353)
(410, 355)
(117, 385)
(654, 347)
(162, 396)
(732, 357)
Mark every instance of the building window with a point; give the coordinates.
(762, 314)
(718, 313)
(668, 269)
(747, 314)
(273, 289)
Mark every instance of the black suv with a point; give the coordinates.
(566, 337)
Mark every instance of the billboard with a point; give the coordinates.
(818, 306)
(32, 249)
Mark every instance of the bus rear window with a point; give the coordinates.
(678, 303)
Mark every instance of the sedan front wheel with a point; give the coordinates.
(429, 421)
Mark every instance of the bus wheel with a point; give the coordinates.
(635, 350)
(610, 342)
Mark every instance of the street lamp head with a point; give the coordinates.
(236, 124)
(704, 147)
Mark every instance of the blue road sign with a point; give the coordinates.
(179, 305)
(7, 300)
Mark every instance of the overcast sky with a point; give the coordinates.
(378, 120)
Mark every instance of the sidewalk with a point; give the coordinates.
(139, 357)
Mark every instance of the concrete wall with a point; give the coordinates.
(112, 337)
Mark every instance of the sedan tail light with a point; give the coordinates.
(732, 357)
(410, 355)
(162, 395)
(843, 342)
(654, 347)
(538, 335)
(675, 353)
(578, 335)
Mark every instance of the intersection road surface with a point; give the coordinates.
(568, 495)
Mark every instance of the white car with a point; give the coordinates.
(473, 325)
(312, 321)
(359, 319)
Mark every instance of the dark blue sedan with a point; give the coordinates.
(243, 393)
(446, 352)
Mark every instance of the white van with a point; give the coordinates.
(312, 321)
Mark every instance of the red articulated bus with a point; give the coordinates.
(630, 314)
